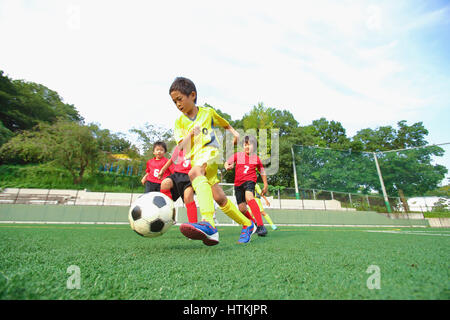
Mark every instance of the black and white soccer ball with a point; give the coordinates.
(152, 214)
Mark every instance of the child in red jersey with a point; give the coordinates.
(247, 163)
(178, 183)
(150, 180)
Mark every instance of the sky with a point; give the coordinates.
(363, 63)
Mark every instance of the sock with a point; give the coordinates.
(249, 216)
(167, 193)
(267, 217)
(233, 212)
(191, 212)
(204, 198)
(256, 212)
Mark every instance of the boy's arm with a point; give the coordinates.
(266, 186)
(221, 122)
(164, 168)
(186, 143)
(229, 164)
(263, 175)
(144, 178)
(234, 133)
(267, 201)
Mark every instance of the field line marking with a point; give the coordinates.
(423, 233)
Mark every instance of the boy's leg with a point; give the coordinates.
(243, 208)
(260, 230)
(191, 206)
(228, 207)
(166, 186)
(204, 230)
(204, 193)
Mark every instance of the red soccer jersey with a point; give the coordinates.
(154, 166)
(245, 169)
(180, 163)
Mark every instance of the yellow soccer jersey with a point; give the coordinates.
(207, 119)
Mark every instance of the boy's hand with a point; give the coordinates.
(264, 190)
(228, 166)
(160, 174)
(143, 180)
(267, 203)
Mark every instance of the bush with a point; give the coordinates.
(47, 176)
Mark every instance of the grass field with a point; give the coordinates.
(290, 263)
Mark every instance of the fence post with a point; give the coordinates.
(46, 198)
(279, 198)
(17, 196)
(76, 197)
(386, 200)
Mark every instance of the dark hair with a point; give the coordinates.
(161, 144)
(251, 140)
(184, 85)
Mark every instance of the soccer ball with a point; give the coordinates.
(152, 214)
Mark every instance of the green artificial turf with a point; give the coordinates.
(290, 263)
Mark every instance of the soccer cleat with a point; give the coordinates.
(201, 231)
(261, 231)
(246, 233)
(274, 227)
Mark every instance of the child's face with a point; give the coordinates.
(185, 104)
(248, 147)
(159, 152)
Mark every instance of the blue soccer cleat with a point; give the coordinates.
(246, 233)
(201, 231)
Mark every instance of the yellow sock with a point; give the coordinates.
(205, 199)
(233, 212)
(267, 217)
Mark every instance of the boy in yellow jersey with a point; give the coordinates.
(194, 133)
(261, 208)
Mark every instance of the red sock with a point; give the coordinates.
(249, 215)
(191, 212)
(256, 212)
(167, 193)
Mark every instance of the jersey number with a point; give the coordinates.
(246, 169)
(155, 173)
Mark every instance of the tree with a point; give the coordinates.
(149, 134)
(66, 143)
(112, 142)
(25, 104)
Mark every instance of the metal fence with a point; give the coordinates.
(310, 199)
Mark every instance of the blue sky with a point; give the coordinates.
(363, 63)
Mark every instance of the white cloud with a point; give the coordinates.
(116, 60)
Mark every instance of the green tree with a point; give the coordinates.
(68, 144)
(25, 104)
(149, 134)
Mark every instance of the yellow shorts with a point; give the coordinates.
(211, 157)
